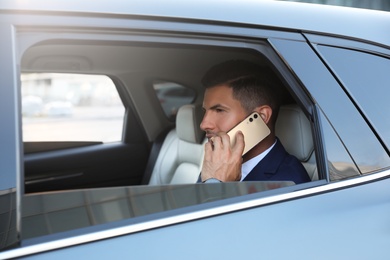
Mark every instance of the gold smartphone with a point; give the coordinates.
(254, 130)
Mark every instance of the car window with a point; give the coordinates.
(89, 168)
(363, 145)
(340, 164)
(172, 96)
(70, 107)
(43, 214)
(366, 77)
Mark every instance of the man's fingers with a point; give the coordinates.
(225, 140)
(239, 144)
(208, 148)
(217, 142)
(221, 161)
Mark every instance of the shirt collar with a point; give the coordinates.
(247, 166)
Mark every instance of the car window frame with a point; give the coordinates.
(346, 85)
(244, 42)
(358, 46)
(319, 90)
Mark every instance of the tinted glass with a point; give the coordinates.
(172, 96)
(8, 230)
(366, 77)
(49, 213)
(357, 136)
(340, 163)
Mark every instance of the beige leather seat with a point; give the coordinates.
(294, 131)
(181, 155)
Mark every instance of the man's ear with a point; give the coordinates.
(265, 112)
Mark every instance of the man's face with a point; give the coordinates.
(222, 111)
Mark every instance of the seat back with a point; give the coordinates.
(294, 131)
(181, 154)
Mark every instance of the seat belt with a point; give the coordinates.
(156, 147)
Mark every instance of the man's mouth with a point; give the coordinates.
(209, 136)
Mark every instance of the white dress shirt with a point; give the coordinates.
(248, 166)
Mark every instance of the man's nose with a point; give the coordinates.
(206, 123)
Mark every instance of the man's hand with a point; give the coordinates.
(221, 161)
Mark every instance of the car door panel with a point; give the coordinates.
(99, 165)
(319, 214)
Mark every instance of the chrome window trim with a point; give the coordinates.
(191, 216)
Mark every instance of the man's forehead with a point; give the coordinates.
(218, 94)
(222, 90)
(220, 97)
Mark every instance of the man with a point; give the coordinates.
(234, 89)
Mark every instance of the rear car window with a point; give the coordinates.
(70, 107)
(172, 96)
(366, 77)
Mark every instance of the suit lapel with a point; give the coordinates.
(268, 167)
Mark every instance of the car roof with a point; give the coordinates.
(369, 25)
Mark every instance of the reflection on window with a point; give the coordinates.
(172, 96)
(366, 77)
(49, 213)
(340, 163)
(70, 107)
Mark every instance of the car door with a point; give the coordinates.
(324, 218)
(337, 213)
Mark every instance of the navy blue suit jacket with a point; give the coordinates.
(278, 165)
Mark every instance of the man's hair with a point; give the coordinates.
(252, 85)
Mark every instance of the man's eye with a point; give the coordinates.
(218, 110)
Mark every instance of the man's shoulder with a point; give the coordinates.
(294, 169)
(290, 167)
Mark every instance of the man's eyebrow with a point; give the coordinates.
(217, 106)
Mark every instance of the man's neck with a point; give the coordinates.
(260, 147)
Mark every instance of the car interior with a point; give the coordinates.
(154, 149)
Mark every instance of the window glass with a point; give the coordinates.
(366, 77)
(70, 107)
(53, 212)
(172, 96)
(340, 163)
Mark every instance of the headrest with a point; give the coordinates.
(188, 121)
(294, 131)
